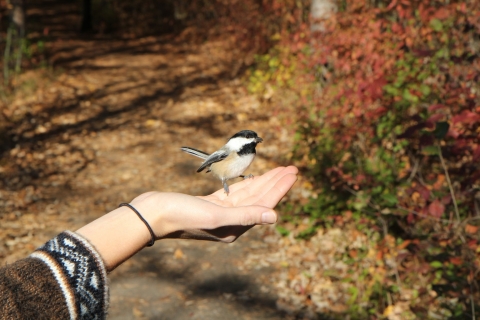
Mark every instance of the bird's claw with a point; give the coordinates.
(250, 176)
(225, 187)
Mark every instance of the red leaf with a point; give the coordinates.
(467, 117)
(410, 218)
(380, 110)
(453, 133)
(434, 107)
(472, 244)
(456, 261)
(447, 199)
(460, 144)
(436, 209)
(476, 154)
(424, 192)
(392, 4)
(422, 54)
(435, 118)
(397, 28)
(430, 125)
(442, 13)
(375, 88)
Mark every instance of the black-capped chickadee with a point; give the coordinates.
(232, 159)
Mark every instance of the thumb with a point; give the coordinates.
(248, 216)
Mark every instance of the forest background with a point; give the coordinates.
(381, 100)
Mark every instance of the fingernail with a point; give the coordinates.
(269, 217)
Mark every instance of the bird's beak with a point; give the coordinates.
(258, 139)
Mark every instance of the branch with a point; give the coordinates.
(449, 182)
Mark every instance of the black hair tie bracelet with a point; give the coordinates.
(152, 241)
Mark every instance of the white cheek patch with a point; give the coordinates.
(237, 143)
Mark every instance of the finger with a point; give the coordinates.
(258, 189)
(188, 212)
(260, 179)
(249, 191)
(226, 234)
(249, 187)
(272, 196)
(245, 216)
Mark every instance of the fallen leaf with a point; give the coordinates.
(388, 310)
(178, 254)
(471, 229)
(137, 313)
(436, 209)
(456, 261)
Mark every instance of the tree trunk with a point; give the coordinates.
(15, 39)
(180, 9)
(321, 10)
(86, 16)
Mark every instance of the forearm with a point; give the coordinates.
(119, 234)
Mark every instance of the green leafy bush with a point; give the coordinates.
(389, 111)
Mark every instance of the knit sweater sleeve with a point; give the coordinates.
(63, 279)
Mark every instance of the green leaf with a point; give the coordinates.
(390, 199)
(441, 129)
(284, 232)
(309, 232)
(391, 90)
(436, 24)
(274, 62)
(408, 96)
(361, 201)
(425, 89)
(415, 293)
(436, 264)
(377, 190)
(442, 53)
(353, 295)
(430, 150)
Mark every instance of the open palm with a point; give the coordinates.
(218, 217)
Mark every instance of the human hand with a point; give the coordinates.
(119, 234)
(217, 217)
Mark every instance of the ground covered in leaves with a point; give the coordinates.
(104, 123)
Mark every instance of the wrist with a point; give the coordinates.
(145, 222)
(154, 207)
(170, 212)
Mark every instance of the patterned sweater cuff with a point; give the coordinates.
(80, 273)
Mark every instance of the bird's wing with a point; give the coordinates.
(195, 152)
(214, 157)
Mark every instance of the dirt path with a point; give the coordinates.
(107, 127)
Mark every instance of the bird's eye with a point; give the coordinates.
(249, 136)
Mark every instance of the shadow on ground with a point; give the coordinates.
(108, 127)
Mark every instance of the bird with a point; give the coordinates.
(231, 160)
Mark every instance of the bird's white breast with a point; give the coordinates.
(233, 166)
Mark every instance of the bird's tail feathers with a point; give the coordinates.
(195, 152)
